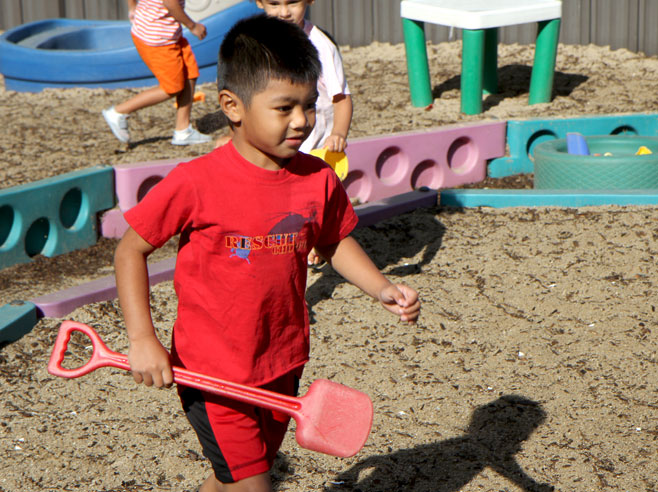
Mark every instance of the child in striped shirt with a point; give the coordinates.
(157, 34)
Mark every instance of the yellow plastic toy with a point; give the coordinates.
(336, 160)
(643, 151)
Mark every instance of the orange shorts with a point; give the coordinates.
(172, 64)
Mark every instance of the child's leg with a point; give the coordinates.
(240, 440)
(144, 99)
(184, 133)
(185, 99)
(257, 483)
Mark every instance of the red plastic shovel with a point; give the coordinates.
(331, 418)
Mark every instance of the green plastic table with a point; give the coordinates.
(480, 20)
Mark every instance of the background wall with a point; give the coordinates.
(618, 23)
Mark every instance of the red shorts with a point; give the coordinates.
(172, 64)
(240, 440)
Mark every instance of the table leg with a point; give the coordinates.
(472, 71)
(417, 65)
(543, 69)
(490, 82)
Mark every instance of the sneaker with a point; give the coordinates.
(190, 136)
(118, 123)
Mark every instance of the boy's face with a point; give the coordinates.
(279, 118)
(287, 10)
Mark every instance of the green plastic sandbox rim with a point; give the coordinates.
(623, 170)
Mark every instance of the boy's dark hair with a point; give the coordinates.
(262, 48)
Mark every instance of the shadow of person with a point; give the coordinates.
(281, 471)
(513, 81)
(492, 440)
(387, 243)
(211, 122)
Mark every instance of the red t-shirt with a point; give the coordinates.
(245, 233)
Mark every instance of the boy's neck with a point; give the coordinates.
(259, 158)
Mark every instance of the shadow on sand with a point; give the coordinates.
(494, 436)
(514, 80)
(387, 243)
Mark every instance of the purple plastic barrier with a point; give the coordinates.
(59, 304)
(374, 212)
(380, 167)
(133, 181)
(113, 224)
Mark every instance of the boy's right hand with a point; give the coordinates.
(150, 362)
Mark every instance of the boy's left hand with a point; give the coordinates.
(402, 300)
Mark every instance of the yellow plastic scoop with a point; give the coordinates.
(336, 160)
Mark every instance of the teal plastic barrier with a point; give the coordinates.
(16, 319)
(524, 136)
(461, 198)
(53, 216)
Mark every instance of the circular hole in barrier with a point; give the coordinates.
(392, 165)
(358, 185)
(537, 138)
(7, 221)
(624, 130)
(37, 236)
(69, 209)
(146, 186)
(462, 155)
(428, 174)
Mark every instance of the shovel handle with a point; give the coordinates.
(103, 357)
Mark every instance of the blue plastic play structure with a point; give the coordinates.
(84, 53)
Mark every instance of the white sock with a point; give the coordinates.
(183, 133)
(114, 113)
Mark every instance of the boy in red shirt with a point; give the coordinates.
(248, 213)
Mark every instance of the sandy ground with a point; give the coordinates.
(533, 366)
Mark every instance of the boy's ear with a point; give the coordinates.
(231, 105)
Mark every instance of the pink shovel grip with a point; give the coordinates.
(101, 356)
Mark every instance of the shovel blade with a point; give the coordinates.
(334, 419)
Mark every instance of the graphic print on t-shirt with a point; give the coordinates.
(290, 234)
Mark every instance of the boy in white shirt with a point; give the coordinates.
(333, 109)
(334, 106)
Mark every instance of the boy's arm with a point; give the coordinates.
(132, 5)
(337, 141)
(149, 359)
(349, 259)
(177, 12)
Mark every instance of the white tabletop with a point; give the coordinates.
(480, 14)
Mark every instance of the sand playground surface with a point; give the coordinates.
(533, 366)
